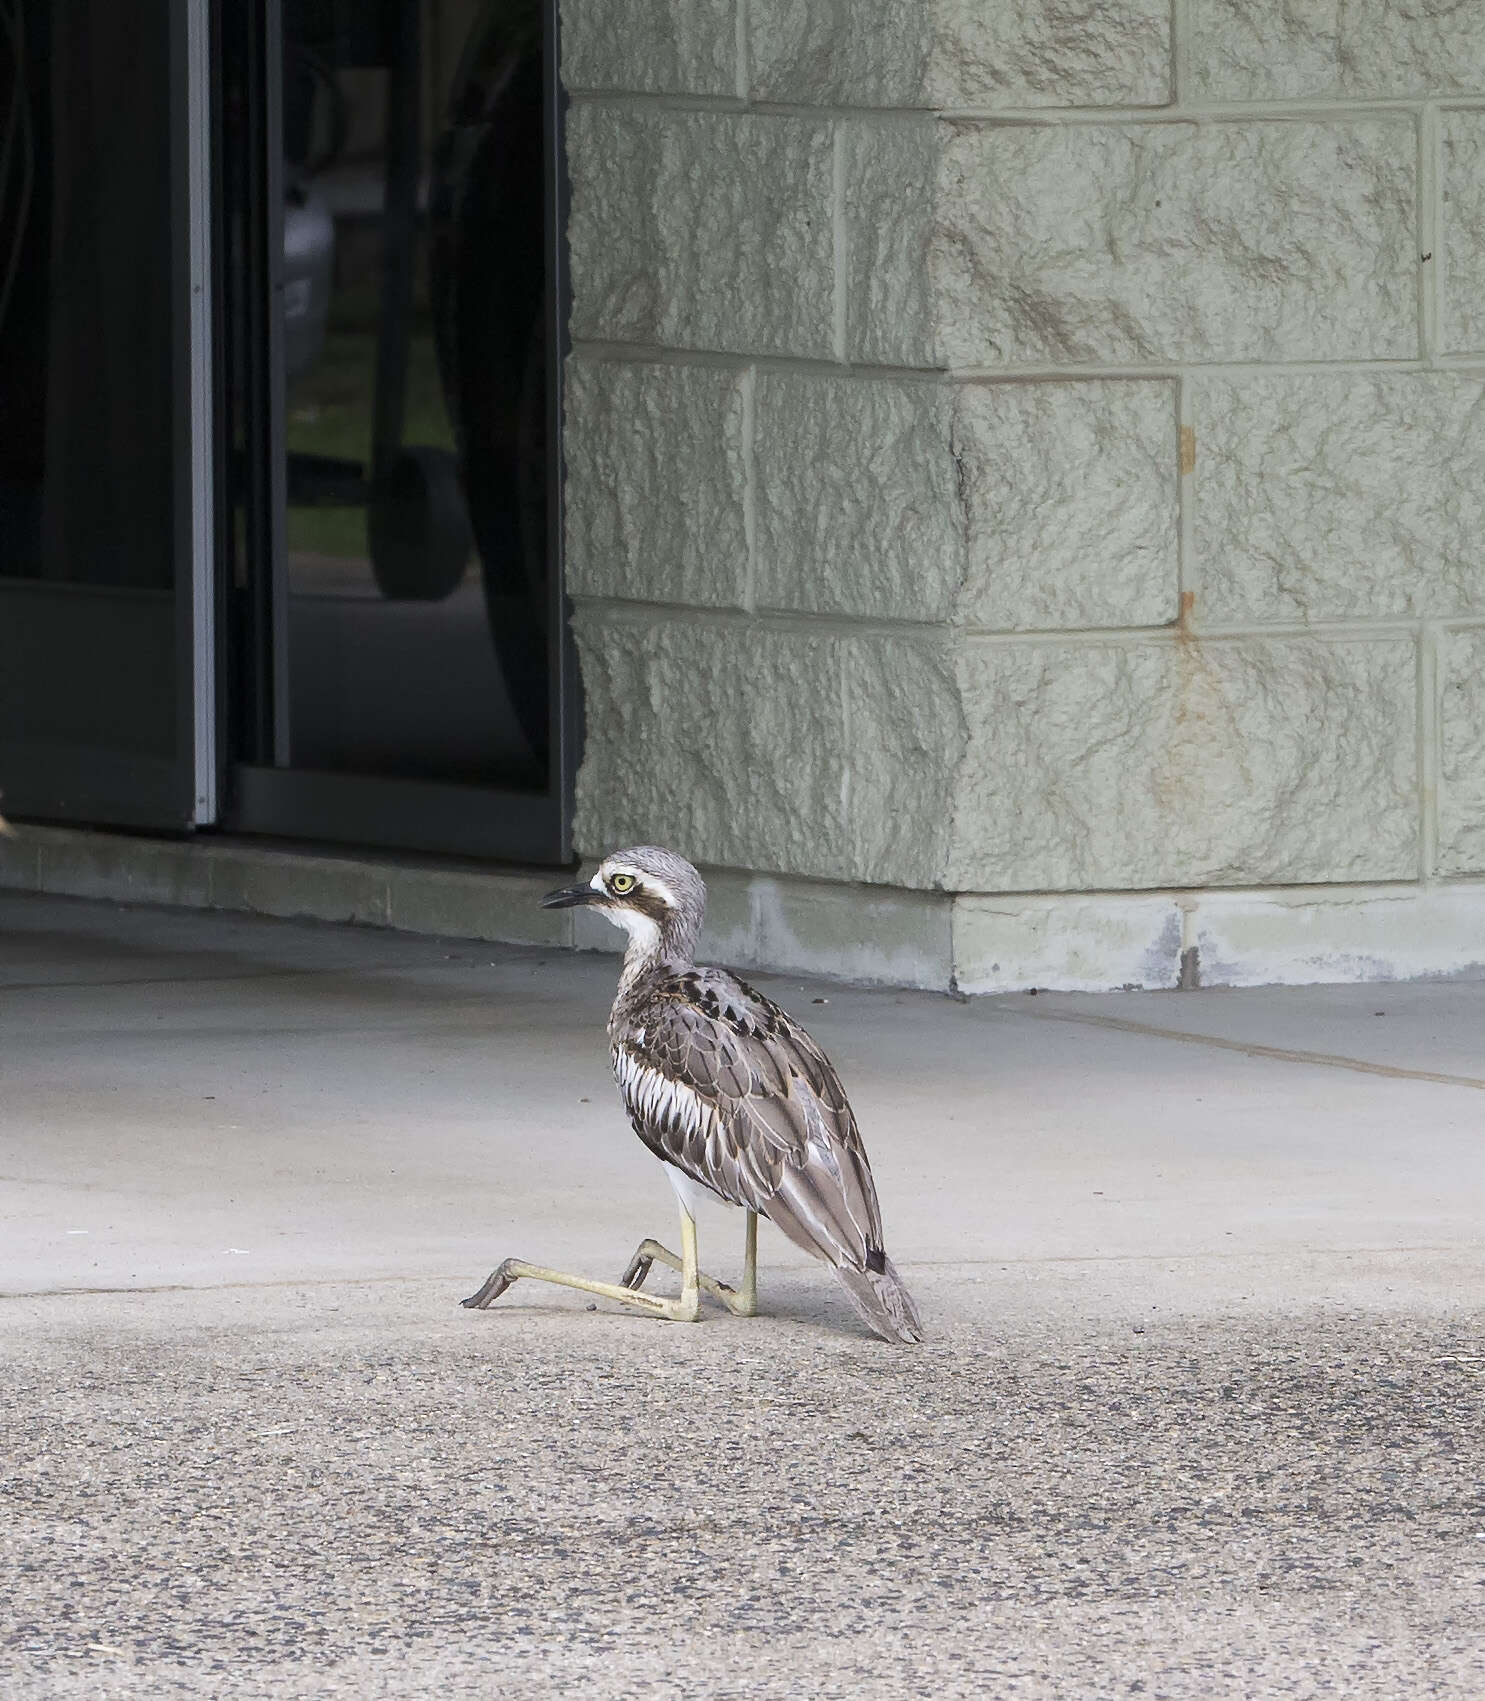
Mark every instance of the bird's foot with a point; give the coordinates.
(643, 1261)
(686, 1309)
(495, 1284)
(650, 1252)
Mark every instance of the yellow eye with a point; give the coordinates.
(621, 883)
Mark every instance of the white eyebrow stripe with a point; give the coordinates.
(650, 881)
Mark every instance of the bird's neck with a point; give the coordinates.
(653, 949)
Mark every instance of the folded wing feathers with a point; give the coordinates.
(723, 1084)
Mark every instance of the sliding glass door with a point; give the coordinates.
(392, 246)
(282, 298)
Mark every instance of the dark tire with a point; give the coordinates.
(418, 526)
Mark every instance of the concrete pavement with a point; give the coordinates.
(1200, 1416)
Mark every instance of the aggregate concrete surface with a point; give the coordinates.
(1200, 1414)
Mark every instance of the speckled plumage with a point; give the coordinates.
(726, 1087)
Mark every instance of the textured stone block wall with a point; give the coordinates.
(1017, 447)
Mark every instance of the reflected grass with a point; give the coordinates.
(329, 412)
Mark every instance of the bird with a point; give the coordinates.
(738, 1103)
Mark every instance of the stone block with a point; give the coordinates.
(1310, 938)
(1461, 686)
(1013, 506)
(728, 934)
(854, 933)
(473, 904)
(327, 888)
(656, 482)
(123, 868)
(1070, 504)
(20, 861)
(888, 195)
(1461, 255)
(760, 747)
(651, 46)
(705, 230)
(1027, 53)
(1339, 496)
(961, 53)
(905, 741)
(1186, 763)
(1112, 942)
(726, 743)
(1093, 944)
(841, 52)
(1222, 242)
(1334, 49)
(856, 509)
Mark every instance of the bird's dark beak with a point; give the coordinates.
(565, 897)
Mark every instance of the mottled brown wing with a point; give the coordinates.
(725, 1085)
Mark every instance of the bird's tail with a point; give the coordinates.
(881, 1300)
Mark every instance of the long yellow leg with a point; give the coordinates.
(742, 1303)
(686, 1309)
(748, 1299)
(690, 1274)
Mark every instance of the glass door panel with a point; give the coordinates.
(104, 497)
(407, 643)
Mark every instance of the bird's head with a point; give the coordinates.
(657, 897)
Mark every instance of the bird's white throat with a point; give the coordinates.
(643, 947)
(643, 930)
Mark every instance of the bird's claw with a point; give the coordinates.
(496, 1283)
(638, 1269)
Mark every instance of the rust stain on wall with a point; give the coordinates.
(1202, 762)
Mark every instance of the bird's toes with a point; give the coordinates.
(496, 1283)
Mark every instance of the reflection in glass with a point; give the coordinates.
(413, 345)
(86, 340)
(89, 369)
